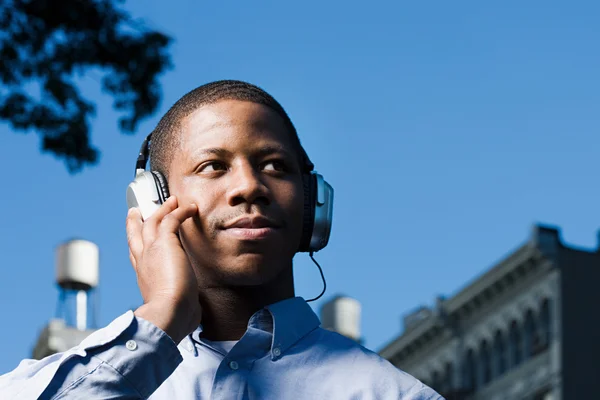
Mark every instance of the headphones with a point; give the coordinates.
(149, 190)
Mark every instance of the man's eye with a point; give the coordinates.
(274, 166)
(213, 167)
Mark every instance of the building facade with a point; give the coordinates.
(525, 329)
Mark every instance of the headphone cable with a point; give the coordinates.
(322, 277)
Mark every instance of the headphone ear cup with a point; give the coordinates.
(308, 220)
(161, 185)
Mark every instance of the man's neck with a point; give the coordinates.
(227, 310)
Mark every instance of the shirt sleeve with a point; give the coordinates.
(128, 359)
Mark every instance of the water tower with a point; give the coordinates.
(342, 315)
(77, 275)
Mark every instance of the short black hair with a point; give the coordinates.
(166, 135)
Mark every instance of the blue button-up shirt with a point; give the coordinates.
(284, 354)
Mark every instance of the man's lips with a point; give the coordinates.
(251, 228)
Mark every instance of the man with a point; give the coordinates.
(220, 319)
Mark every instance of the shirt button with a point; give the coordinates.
(190, 347)
(276, 352)
(131, 345)
(233, 365)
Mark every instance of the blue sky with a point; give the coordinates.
(446, 128)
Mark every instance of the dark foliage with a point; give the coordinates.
(46, 44)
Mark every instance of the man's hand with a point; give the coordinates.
(164, 273)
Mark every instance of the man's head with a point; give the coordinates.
(230, 148)
(167, 134)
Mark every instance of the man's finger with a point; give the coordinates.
(133, 261)
(172, 221)
(133, 227)
(150, 228)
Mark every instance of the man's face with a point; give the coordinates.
(237, 162)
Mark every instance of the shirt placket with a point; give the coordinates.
(231, 378)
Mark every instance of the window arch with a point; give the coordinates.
(500, 358)
(515, 344)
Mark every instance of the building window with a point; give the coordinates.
(545, 324)
(448, 378)
(546, 394)
(500, 357)
(515, 345)
(530, 337)
(436, 382)
(469, 381)
(485, 365)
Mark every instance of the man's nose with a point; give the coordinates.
(246, 186)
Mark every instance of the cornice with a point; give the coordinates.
(539, 250)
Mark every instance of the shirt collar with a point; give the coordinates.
(292, 320)
(288, 321)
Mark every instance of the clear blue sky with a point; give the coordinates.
(446, 128)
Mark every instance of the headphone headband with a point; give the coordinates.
(142, 159)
